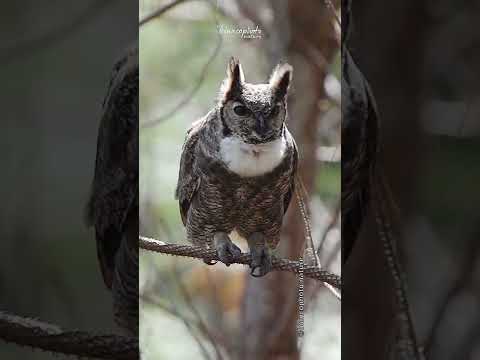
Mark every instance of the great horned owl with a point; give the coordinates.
(237, 169)
(113, 205)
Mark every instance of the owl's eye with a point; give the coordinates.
(275, 111)
(241, 110)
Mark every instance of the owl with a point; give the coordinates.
(113, 205)
(237, 168)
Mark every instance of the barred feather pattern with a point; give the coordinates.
(214, 199)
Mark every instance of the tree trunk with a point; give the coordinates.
(270, 308)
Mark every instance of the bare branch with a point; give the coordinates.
(330, 226)
(211, 254)
(189, 323)
(198, 84)
(160, 11)
(201, 324)
(329, 4)
(30, 332)
(301, 193)
(335, 252)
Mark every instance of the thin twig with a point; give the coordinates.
(330, 5)
(211, 254)
(48, 337)
(201, 324)
(203, 73)
(147, 295)
(301, 193)
(189, 323)
(160, 11)
(330, 226)
(335, 252)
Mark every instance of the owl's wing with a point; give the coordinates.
(360, 142)
(114, 193)
(188, 179)
(288, 196)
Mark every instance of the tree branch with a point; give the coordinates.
(203, 73)
(160, 11)
(210, 254)
(330, 5)
(48, 337)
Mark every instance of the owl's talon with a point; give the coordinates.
(254, 273)
(209, 261)
(227, 251)
(261, 261)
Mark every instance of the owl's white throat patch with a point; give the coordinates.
(248, 160)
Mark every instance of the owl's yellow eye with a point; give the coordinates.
(241, 110)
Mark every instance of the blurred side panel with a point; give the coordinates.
(412, 273)
(56, 61)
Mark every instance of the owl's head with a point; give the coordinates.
(254, 112)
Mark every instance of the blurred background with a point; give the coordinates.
(188, 309)
(55, 63)
(423, 64)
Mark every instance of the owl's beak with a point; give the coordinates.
(262, 128)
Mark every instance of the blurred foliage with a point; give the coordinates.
(173, 52)
(51, 106)
(328, 182)
(167, 73)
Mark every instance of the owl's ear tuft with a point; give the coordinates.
(232, 85)
(280, 79)
(235, 71)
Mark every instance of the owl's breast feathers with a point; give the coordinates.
(248, 160)
(268, 180)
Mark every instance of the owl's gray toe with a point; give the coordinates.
(227, 251)
(209, 261)
(261, 261)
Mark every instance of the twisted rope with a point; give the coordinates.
(245, 259)
(48, 337)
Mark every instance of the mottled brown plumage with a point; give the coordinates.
(113, 204)
(238, 167)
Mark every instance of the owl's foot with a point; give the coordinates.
(227, 251)
(261, 255)
(209, 261)
(261, 261)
